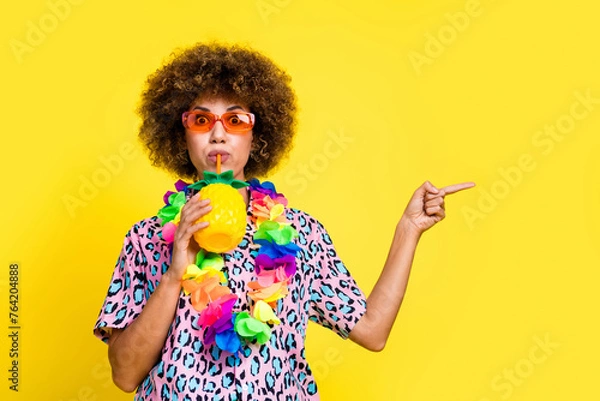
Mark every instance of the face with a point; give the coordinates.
(204, 147)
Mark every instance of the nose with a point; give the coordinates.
(217, 134)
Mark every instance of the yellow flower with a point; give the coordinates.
(263, 312)
(194, 273)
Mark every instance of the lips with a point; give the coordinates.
(212, 156)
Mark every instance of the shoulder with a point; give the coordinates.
(311, 230)
(145, 225)
(301, 219)
(145, 249)
(145, 230)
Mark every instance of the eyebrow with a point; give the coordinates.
(231, 108)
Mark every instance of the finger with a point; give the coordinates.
(194, 202)
(196, 227)
(450, 189)
(429, 187)
(434, 210)
(434, 202)
(202, 205)
(437, 213)
(193, 205)
(195, 197)
(429, 204)
(429, 196)
(193, 216)
(203, 202)
(185, 233)
(189, 224)
(425, 188)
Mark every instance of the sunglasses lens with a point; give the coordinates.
(203, 121)
(198, 121)
(237, 122)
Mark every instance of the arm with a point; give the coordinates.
(425, 209)
(134, 350)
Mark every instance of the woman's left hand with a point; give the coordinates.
(427, 206)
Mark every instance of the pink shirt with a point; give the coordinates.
(322, 290)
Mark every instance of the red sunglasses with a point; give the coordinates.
(234, 122)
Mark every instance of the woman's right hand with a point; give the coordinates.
(185, 247)
(134, 350)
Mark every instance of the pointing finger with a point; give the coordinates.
(450, 189)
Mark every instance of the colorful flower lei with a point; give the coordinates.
(206, 282)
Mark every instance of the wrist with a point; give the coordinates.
(169, 279)
(407, 229)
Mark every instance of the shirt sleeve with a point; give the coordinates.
(127, 290)
(337, 302)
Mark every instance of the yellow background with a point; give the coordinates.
(514, 264)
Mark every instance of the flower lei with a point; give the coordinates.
(206, 282)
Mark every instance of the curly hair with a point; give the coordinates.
(216, 70)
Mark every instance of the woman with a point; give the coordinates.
(229, 106)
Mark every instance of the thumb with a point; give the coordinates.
(425, 188)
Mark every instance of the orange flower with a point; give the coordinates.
(268, 294)
(204, 292)
(268, 209)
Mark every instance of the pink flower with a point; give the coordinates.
(217, 309)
